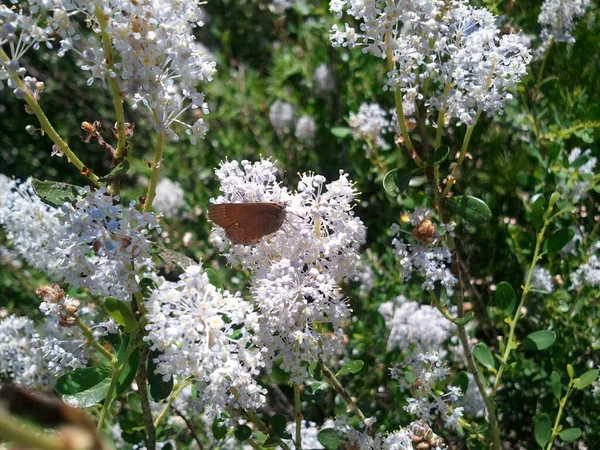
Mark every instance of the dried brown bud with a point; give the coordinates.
(425, 232)
(48, 293)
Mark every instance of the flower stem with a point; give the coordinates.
(334, 382)
(180, 387)
(50, 131)
(92, 342)
(156, 164)
(562, 403)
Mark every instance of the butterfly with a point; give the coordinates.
(246, 223)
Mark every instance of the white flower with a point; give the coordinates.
(194, 327)
(324, 79)
(413, 326)
(558, 18)
(369, 124)
(541, 279)
(305, 128)
(454, 49)
(281, 115)
(169, 198)
(575, 180)
(296, 271)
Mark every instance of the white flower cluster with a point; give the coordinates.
(309, 433)
(558, 18)
(157, 63)
(197, 330)
(405, 320)
(369, 124)
(97, 243)
(28, 359)
(324, 79)
(423, 374)
(104, 245)
(430, 258)
(281, 115)
(588, 273)
(453, 48)
(541, 279)
(305, 129)
(169, 198)
(296, 271)
(576, 179)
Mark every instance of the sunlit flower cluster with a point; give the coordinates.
(424, 375)
(156, 61)
(169, 198)
(369, 123)
(197, 330)
(453, 48)
(296, 271)
(558, 19)
(414, 327)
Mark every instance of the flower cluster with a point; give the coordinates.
(281, 115)
(430, 258)
(575, 176)
(324, 79)
(541, 279)
(558, 18)
(169, 198)
(196, 329)
(405, 320)
(305, 129)
(424, 374)
(157, 62)
(369, 124)
(296, 271)
(453, 48)
(588, 273)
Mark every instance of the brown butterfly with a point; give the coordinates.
(246, 223)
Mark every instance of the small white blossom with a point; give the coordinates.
(169, 198)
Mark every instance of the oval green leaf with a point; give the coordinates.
(472, 209)
(542, 429)
(341, 132)
(89, 397)
(483, 354)
(462, 381)
(570, 434)
(558, 240)
(55, 193)
(537, 212)
(278, 423)
(80, 380)
(329, 438)
(353, 366)
(505, 297)
(586, 379)
(396, 181)
(243, 432)
(121, 313)
(213, 278)
(539, 340)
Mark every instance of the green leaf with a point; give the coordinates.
(57, 194)
(586, 379)
(146, 287)
(159, 388)
(329, 438)
(174, 258)
(505, 297)
(80, 380)
(570, 434)
(539, 340)
(542, 429)
(278, 423)
(472, 209)
(120, 313)
(213, 278)
(440, 155)
(119, 170)
(570, 371)
(537, 213)
(462, 381)
(469, 315)
(89, 397)
(555, 384)
(558, 240)
(219, 430)
(396, 181)
(243, 432)
(131, 365)
(353, 366)
(483, 354)
(341, 132)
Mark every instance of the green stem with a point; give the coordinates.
(526, 288)
(92, 342)
(298, 409)
(561, 407)
(463, 152)
(156, 163)
(12, 430)
(337, 386)
(141, 378)
(180, 387)
(50, 131)
(543, 66)
(441, 119)
(117, 369)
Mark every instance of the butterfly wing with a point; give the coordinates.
(246, 223)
